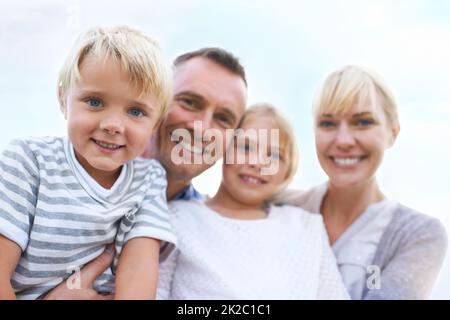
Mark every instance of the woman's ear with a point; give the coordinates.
(62, 102)
(395, 131)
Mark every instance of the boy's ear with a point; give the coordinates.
(62, 102)
(158, 125)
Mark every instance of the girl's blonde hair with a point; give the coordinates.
(138, 55)
(287, 136)
(354, 85)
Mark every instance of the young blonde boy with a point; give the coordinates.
(64, 199)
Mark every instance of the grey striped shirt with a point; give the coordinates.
(61, 222)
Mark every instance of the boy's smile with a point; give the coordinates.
(109, 122)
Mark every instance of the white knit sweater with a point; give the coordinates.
(285, 256)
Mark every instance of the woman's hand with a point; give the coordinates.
(87, 276)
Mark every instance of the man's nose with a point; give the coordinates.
(203, 120)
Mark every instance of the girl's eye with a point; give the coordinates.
(275, 157)
(95, 103)
(136, 112)
(326, 124)
(245, 148)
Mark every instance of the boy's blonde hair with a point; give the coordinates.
(352, 84)
(138, 55)
(287, 136)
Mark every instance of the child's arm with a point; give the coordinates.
(9, 258)
(137, 270)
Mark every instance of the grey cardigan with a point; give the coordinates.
(410, 253)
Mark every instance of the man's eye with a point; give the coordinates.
(187, 102)
(136, 112)
(95, 103)
(224, 119)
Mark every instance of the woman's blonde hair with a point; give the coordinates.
(287, 136)
(354, 85)
(139, 56)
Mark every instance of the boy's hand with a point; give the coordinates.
(87, 275)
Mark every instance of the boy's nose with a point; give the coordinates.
(112, 125)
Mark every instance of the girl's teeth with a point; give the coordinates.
(346, 161)
(251, 180)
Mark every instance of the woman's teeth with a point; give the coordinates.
(346, 161)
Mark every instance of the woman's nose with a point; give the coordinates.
(344, 136)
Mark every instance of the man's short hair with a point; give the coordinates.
(217, 55)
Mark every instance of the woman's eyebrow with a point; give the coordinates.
(361, 114)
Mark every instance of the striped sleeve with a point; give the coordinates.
(152, 218)
(19, 178)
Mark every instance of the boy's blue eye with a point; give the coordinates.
(95, 103)
(136, 112)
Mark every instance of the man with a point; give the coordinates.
(210, 87)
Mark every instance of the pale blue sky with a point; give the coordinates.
(287, 47)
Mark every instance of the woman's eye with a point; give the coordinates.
(95, 103)
(326, 124)
(364, 122)
(136, 112)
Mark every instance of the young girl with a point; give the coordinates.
(234, 246)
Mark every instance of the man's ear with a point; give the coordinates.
(394, 133)
(62, 102)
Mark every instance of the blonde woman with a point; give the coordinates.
(384, 249)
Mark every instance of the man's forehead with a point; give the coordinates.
(208, 81)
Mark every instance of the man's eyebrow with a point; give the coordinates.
(192, 95)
